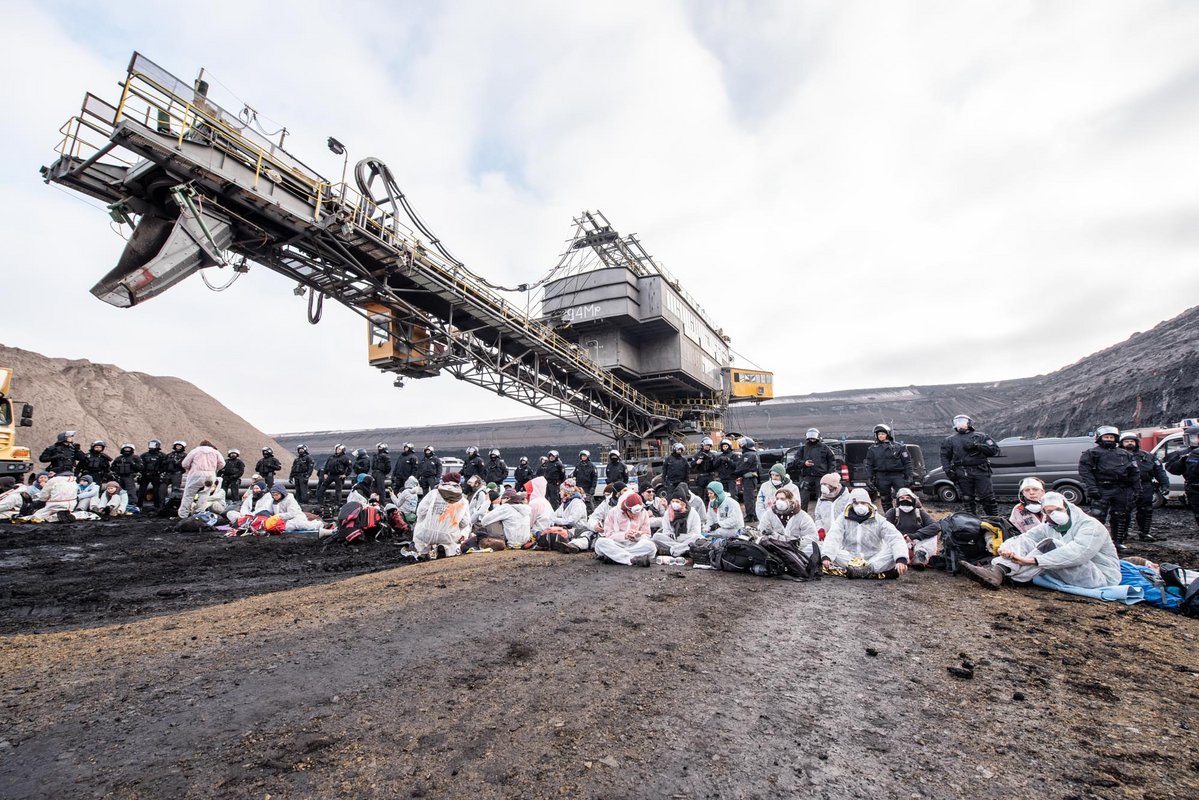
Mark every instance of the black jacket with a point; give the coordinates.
(616, 471)
(726, 465)
(888, 456)
(362, 464)
(749, 464)
(301, 467)
(126, 464)
(1107, 467)
(967, 449)
(98, 465)
(61, 458)
(473, 466)
(381, 462)
(428, 471)
(522, 475)
(674, 469)
(337, 465)
(232, 471)
(1151, 470)
(586, 477)
(704, 462)
(823, 459)
(405, 468)
(154, 462)
(553, 472)
(495, 472)
(268, 464)
(173, 463)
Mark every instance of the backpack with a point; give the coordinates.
(551, 536)
(198, 523)
(1174, 580)
(742, 555)
(355, 521)
(797, 565)
(963, 539)
(1153, 587)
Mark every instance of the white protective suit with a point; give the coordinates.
(250, 506)
(59, 494)
(1081, 556)
(625, 537)
(479, 505)
(442, 518)
(10, 502)
(875, 540)
(540, 510)
(829, 510)
(570, 514)
(115, 503)
(87, 497)
(766, 494)
(677, 544)
(211, 498)
(289, 509)
(726, 520)
(514, 518)
(201, 464)
(799, 528)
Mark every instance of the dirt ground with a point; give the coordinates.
(137, 662)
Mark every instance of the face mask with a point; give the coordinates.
(907, 507)
(1032, 508)
(826, 490)
(780, 506)
(635, 510)
(776, 482)
(861, 509)
(1059, 517)
(678, 506)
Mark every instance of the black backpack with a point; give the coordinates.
(1173, 576)
(742, 555)
(798, 566)
(962, 539)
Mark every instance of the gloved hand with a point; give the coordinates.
(871, 488)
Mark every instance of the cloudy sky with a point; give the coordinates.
(861, 193)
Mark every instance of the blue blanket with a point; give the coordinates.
(1124, 594)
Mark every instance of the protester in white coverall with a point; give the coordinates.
(59, 494)
(408, 498)
(11, 497)
(725, 518)
(211, 498)
(540, 510)
(480, 500)
(286, 507)
(863, 543)
(511, 518)
(1072, 546)
(834, 497)
(766, 492)
(682, 525)
(199, 465)
(89, 494)
(254, 501)
(1028, 513)
(442, 519)
(785, 519)
(112, 502)
(626, 538)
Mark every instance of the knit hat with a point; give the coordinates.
(511, 494)
(831, 479)
(261, 485)
(87, 478)
(780, 470)
(859, 496)
(452, 477)
(632, 503)
(905, 492)
(618, 486)
(280, 488)
(681, 492)
(112, 485)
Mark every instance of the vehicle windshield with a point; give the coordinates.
(5, 413)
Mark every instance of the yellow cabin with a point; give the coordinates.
(749, 384)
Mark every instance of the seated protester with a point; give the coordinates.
(478, 499)
(89, 494)
(681, 526)
(408, 498)
(506, 520)
(287, 508)
(1028, 513)
(655, 505)
(862, 544)
(725, 519)
(1072, 546)
(834, 497)
(362, 490)
(211, 497)
(112, 502)
(11, 497)
(57, 494)
(540, 510)
(33, 489)
(442, 519)
(626, 538)
(572, 511)
(910, 518)
(786, 519)
(768, 491)
(595, 520)
(254, 501)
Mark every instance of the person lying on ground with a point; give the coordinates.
(626, 538)
(442, 520)
(768, 491)
(287, 508)
(1072, 546)
(1028, 512)
(862, 544)
(725, 518)
(834, 497)
(681, 526)
(254, 501)
(785, 519)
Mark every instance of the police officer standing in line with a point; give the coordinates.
(380, 468)
(1152, 472)
(230, 475)
(586, 478)
(301, 471)
(173, 471)
(405, 468)
(1112, 481)
(126, 467)
(473, 465)
(361, 465)
(496, 470)
(268, 465)
(675, 468)
(888, 466)
(1185, 462)
(726, 467)
(814, 460)
(964, 455)
(154, 463)
(703, 464)
(554, 473)
(62, 457)
(748, 467)
(333, 473)
(428, 472)
(523, 473)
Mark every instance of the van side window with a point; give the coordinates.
(1020, 455)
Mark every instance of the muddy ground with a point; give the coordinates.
(140, 662)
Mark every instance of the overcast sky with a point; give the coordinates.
(861, 193)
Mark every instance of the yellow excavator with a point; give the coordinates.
(14, 460)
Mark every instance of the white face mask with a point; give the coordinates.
(1032, 508)
(780, 506)
(1059, 517)
(827, 490)
(776, 482)
(678, 506)
(861, 509)
(907, 507)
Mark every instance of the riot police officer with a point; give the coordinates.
(63, 456)
(333, 474)
(813, 460)
(523, 474)
(154, 464)
(1185, 462)
(1152, 472)
(405, 467)
(381, 468)
(675, 467)
(126, 467)
(1112, 482)
(888, 466)
(586, 478)
(554, 473)
(230, 475)
(748, 467)
(473, 465)
(268, 465)
(703, 464)
(726, 467)
(496, 470)
(964, 457)
(301, 470)
(428, 472)
(362, 465)
(97, 463)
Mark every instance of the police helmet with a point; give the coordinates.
(1124, 437)
(745, 442)
(494, 454)
(233, 451)
(381, 447)
(472, 450)
(584, 454)
(62, 437)
(552, 453)
(882, 428)
(707, 440)
(154, 444)
(678, 446)
(127, 446)
(524, 460)
(812, 433)
(99, 442)
(430, 448)
(961, 422)
(1190, 436)
(179, 443)
(407, 446)
(341, 448)
(1106, 430)
(613, 453)
(726, 443)
(302, 448)
(266, 451)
